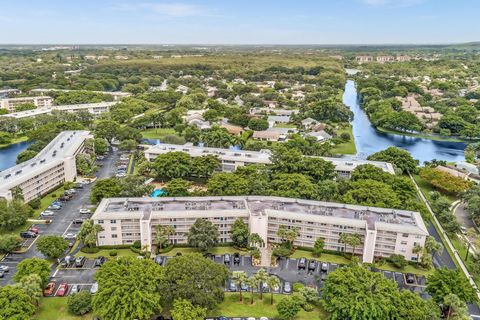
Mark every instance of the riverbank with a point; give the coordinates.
(346, 147)
(14, 141)
(425, 136)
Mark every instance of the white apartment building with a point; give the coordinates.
(39, 102)
(383, 232)
(230, 160)
(49, 169)
(5, 93)
(117, 95)
(93, 108)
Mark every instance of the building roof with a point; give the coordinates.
(232, 129)
(112, 93)
(67, 107)
(283, 119)
(336, 213)
(266, 134)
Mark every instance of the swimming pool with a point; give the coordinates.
(157, 193)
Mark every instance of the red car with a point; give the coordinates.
(49, 289)
(34, 230)
(62, 290)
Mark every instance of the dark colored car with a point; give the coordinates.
(302, 263)
(28, 234)
(236, 258)
(226, 259)
(410, 278)
(312, 265)
(158, 259)
(99, 261)
(78, 221)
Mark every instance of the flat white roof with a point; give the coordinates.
(113, 93)
(63, 145)
(66, 107)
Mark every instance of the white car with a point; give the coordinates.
(85, 211)
(70, 236)
(4, 268)
(94, 288)
(120, 175)
(47, 213)
(74, 289)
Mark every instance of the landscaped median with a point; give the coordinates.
(53, 308)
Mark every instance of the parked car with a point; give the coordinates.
(72, 190)
(233, 286)
(99, 261)
(77, 221)
(463, 230)
(120, 175)
(302, 263)
(244, 286)
(66, 261)
(62, 289)
(80, 261)
(94, 288)
(34, 230)
(410, 278)
(158, 259)
(85, 211)
(47, 213)
(75, 289)
(2, 274)
(28, 234)
(312, 265)
(226, 259)
(54, 207)
(78, 186)
(49, 289)
(236, 258)
(4, 268)
(287, 287)
(324, 267)
(70, 236)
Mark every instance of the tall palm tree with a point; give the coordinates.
(252, 283)
(344, 240)
(282, 232)
(261, 276)
(255, 240)
(417, 249)
(272, 283)
(354, 241)
(239, 278)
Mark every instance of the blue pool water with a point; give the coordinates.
(157, 193)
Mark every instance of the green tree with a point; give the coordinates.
(288, 308)
(398, 157)
(240, 233)
(413, 307)
(105, 188)
(445, 281)
(163, 234)
(261, 276)
(107, 129)
(273, 284)
(13, 214)
(203, 235)
(128, 145)
(185, 310)
(25, 155)
(252, 283)
(239, 278)
(52, 246)
(318, 247)
(371, 193)
(100, 146)
(128, 289)
(456, 308)
(195, 278)
(33, 266)
(80, 303)
(254, 240)
(16, 304)
(258, 124)
(173, 165)
(177, 188)
(32, 285)
(227, 184)
(9, 243)
(88, 233)
(204, 166)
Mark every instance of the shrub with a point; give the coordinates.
(113, 253)
(90, 250)
(35, 204)
(345, 136)
(80, 303)
(281, 252)
(288, 308)
(297, 286)
(137, 244)
(398, 260)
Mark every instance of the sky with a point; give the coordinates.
(239, 21)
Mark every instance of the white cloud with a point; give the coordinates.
(170, 9)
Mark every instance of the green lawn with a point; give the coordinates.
(422, 135)
(216, 251)
(285, 125)
(15, 140)
(56, 309)
(347, 147)
(157, 133)
(105, 253)
(232, 307)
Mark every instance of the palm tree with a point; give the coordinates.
(255, 240)
(163, 235)
(471, 233)
(273, 282)
(261, 276)
(455, 307)
(291, 235)
(344, 240)
(239, 278)
(252, 283)
(417, 249)
(354, 240)
(282, 232)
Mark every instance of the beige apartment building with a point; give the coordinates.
(383, 232)
(39, 102)
(230, 160)
(49, 169)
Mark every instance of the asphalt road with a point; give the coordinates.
(62, 220)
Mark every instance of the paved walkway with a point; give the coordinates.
(266, 257)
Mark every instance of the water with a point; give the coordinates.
(8, 155)
(157, 193)
(368, 140)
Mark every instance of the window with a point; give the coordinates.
(405, 235)
(113, 228)
(114, 236)
(403, 243)
(113, 221)
(101, 237)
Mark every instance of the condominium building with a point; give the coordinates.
(230, 160)
(39, 102)
(6, 93)
(49, 169)
(93, 108)
(117, 95)
(383, 232)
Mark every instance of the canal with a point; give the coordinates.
(368, 140)
(8, 155)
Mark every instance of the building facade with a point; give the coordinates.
(230, 160)
(49, 169)
(383, 232)
(93, 108)
(39, 102)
